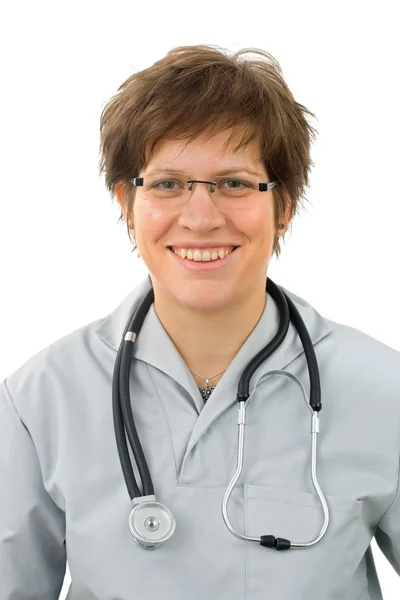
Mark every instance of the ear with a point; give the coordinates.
(287, 215)
(120, 187)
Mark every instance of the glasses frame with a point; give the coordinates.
(262, 186)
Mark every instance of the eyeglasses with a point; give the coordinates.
(173, 187)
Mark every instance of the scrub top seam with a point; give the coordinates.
(166, 421)
(355, 539)
(396, 495)
(14, 406)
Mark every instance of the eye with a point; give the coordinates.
(157, 185)
(236, 181)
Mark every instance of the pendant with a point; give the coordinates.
(206, 392)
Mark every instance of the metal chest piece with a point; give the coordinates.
(150, 522)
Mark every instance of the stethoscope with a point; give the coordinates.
(152, 523)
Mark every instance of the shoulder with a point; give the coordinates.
(84, 357)
(347, 346)
(35, 383)
(360, 347)
(359, 363)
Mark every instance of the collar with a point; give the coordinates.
(154, 347)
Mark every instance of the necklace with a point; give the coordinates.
(206, 391)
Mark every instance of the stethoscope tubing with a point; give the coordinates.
(122, 411)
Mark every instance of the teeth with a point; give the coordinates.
(198, 255)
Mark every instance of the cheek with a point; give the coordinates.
(152, 220)
(256, 222)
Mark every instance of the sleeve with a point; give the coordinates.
(32, 526)
(387, 534)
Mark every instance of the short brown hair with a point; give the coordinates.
(198, 90)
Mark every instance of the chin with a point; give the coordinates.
(204, 296)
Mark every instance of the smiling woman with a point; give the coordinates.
(186, 422)
(233, 148)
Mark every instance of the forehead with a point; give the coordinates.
(204, 150)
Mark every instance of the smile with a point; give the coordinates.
(201, 263)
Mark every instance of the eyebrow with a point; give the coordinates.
(233, 169)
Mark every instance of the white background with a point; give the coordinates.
(64, 259)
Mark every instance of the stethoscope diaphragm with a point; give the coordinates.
(151, 523)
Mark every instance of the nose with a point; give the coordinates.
(200, 212)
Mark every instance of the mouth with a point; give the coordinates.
(231, 252)
(206, 265)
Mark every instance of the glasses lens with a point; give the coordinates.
(174, 187)
(167, 187)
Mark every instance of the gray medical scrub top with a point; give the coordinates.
(63, 494)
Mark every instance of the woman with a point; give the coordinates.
(185, 145)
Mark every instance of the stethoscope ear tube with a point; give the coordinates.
(287, 311)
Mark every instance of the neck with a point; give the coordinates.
(206, 340)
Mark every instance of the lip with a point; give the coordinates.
(201, 245)
(206, 266)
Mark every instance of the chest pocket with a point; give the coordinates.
(323, 570)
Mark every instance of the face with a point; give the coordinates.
(200, 219)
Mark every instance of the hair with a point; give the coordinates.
(200, 89)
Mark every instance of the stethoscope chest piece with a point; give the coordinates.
(151, 523)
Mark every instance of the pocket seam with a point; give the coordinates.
(310, 500)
